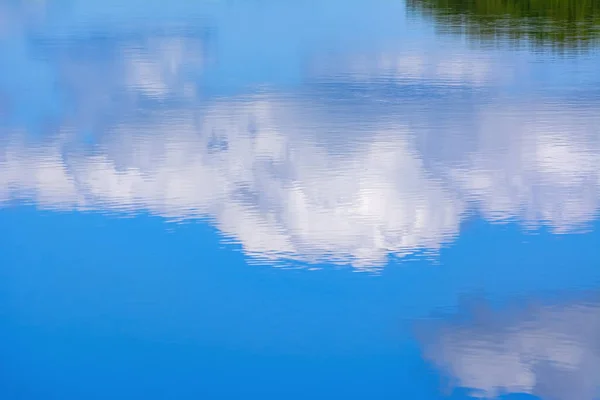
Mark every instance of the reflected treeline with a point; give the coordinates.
(563, 25)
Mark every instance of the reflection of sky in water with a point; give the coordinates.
(307, 174)
(362, 139)
(548, 350)
(258, 168)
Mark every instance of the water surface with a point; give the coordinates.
(188, 190)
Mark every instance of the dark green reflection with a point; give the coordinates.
(560, 24)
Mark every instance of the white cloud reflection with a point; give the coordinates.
(261, 170)
(302, 177)
(540, 164)
(263, 181)
(445, 65)
(547, 350)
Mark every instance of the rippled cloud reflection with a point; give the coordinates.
(546, 349)
(309, 176)
(260, 169)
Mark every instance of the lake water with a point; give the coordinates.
(299, 199)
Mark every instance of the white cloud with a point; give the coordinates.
(303, 177)
(551, 350)
(263, 171)
(440, 65)
(261, 180)
(538, 163)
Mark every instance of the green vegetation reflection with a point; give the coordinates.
(560, 24)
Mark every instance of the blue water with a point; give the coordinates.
(293, 200)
